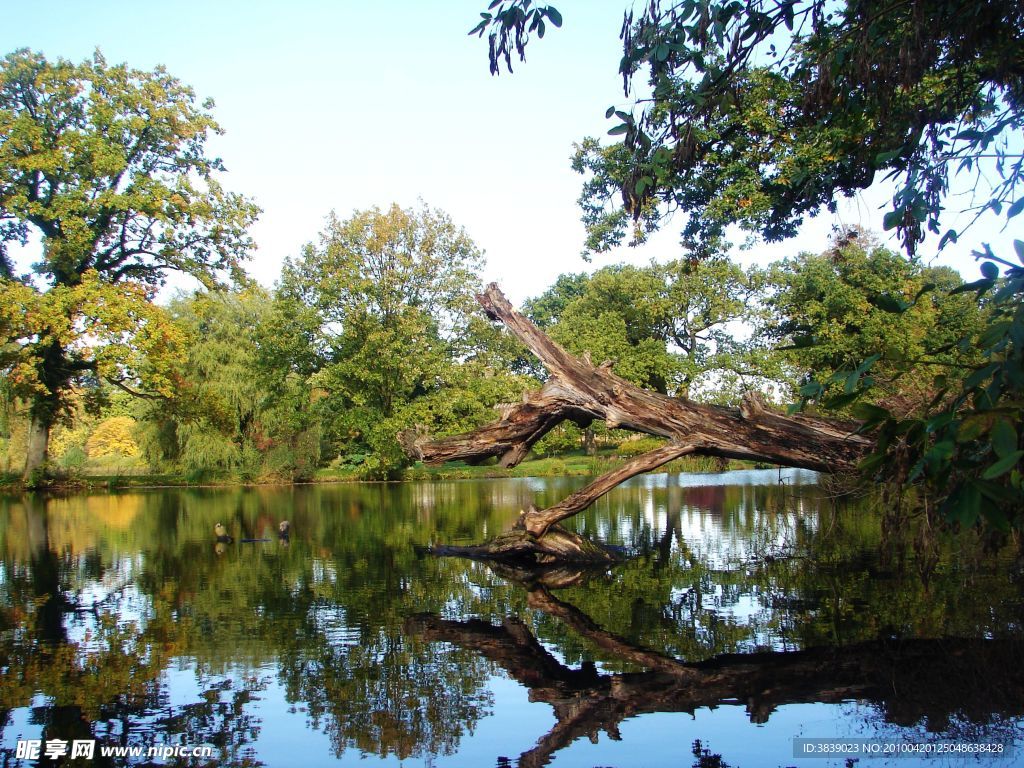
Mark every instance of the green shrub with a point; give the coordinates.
(564, 438)
(73, 458)
(636, 446)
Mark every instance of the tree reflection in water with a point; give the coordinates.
(119, 620)
(909, 680)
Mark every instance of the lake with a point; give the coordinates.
(756, 622)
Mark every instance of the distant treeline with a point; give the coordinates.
(374, 328)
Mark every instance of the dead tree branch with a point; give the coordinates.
(579, 391)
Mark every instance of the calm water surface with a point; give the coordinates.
(752, 612)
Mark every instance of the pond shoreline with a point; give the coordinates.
(570, 465)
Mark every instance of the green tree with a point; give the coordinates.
(107, 166)
(113, 436)
(393, 325)
(616, 316)
(831, 311)
(762, 113)
(666, 326)
(239, 406)
(965, 451)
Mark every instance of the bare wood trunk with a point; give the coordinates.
(582, 392)
(558, 545)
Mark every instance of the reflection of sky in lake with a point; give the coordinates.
(350, 574)
(699, 503)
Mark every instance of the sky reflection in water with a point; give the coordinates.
(122, 620)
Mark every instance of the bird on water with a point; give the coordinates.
(222, 534)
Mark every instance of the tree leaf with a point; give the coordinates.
(841, 400)
(553, 15)
(1004, 438)
(978, 285)
(998, 493)
(1002, 466)
(891, 220)
(935, 423)
(980, 375)
(889, 304)
(964, 505)
(870, 413)
(810, 389)
(872, 461)
(970, 428)
(940, 453)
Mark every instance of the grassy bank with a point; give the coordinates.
(573, 464)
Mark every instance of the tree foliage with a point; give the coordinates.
(113, 437)
(965, 449)
(393, 320)
(832, 311)
(509, 25)
(762, 113)
(106, 165)
(666, 326)
(238, 407)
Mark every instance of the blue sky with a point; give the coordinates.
(344, 105)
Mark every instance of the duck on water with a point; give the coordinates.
(223, 537)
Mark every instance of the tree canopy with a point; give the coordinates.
(107, 167)
(762, 113)
(393, 320)
(833, 310)
(664, 325)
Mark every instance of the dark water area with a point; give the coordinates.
(753, 613)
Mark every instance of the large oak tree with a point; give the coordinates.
(107, 168)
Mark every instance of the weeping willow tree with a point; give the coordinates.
(239, 408)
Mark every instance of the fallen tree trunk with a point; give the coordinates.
(581, 392)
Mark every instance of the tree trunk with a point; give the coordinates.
(582, 392)
(589, 441)
(55, 373)
(38, 442)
